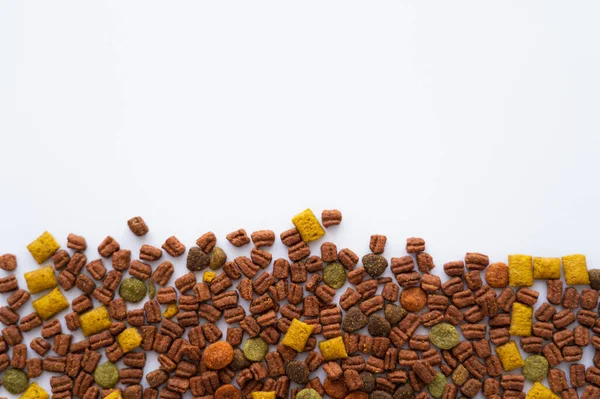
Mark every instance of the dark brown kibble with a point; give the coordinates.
(554, 291)
(76, 242)
(138, 226)
(331, 217)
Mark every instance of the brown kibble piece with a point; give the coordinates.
(138, 226)
(413, 299)
(76, 242)
(415, 245)
(263, 238)
(331, 217)
(173, 246)
(377, 243)
(8, 262)
(238, 238)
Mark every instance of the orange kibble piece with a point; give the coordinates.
(496, 275)
(218, 355)
(227, 391)
(413, 299)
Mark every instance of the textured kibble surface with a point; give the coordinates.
(259, 314)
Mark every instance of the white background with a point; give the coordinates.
(472, 124)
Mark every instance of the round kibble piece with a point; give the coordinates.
(334, 275)
(133, 289)
(375, 265)
(218, 355)
(197, 260)
(379, 326)
(496, 275)
(354, 319)
(218, 257)
(106, 375)
(404, 392)
(337, 389)
(436, 387)
(227, 391)
(15, 381)
(308, 393)
(535, 368)
(413, 299)
(380, 395)
(297, 371)
(368, 380)
(444, 336)
(239, 361)
(393, 313)
(255, 349)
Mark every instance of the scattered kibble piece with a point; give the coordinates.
(138, 226)
(50, 304)
(218, 355)
(129, 339)
(43, 247)
(172, 310)
(413, 299)
(509, 355)
(207, 277)
(521, 320)
(115, 394)
(436, 387)
(308, 226)
(227, 391)
(133, 289)
(496, 275)
(94, 321)
(333, 349)
(41, 280)
(374, 264)
(334, 275)
(106, 375)
(308, 393)
(255, 349)
(15, 381)
(520, 270)
(263, 395)
(297, 335)
(538, 391)
(218, 257)
(575, 268)
(535, 368)
(444, 336)
(546, 268)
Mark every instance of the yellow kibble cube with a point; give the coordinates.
(94, 321)
(41, 280)
(129, 339)
(35, 392)
(333, 348)
(43, 247)
(171, 311)
(208, 276)
(50, 304)
(297, 335)
(509, 355)
(308, 225)
(263, 395)
(521, 319)
(116, 394)
(546, 268)
(575, 268)
(538, 391)
(520, 271)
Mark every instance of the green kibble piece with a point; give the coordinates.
(535, 368)
(436, 387)
(255, 349)
(151, 289)
(106, 375)
(15, 381)
(218, 257)
(334, 275)
(444, 336)
(308, 393)
(133, 289)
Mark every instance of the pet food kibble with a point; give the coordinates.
(50, 304)
(207, 277)
(546, 268)
(15, 381)
(218, 355)
(255, 349)
(35, 392)
(374, 264)
(297, 335)
(129, 339)
(218, 257)
(8, 262)
(333, 349)
(133, 289)
(334, 275)
(172, 310)
(496, 275)
(509, 355)
(106, 375)
(308, 393)
(43, 247)
(413, 299)
(520, 271)
(94, 321)
(40, 280)
(138, 226)
(538, 391)
(354, 320)
(378, 326)
(227, 391)
(444, 336)
(575, 268)
(394, 313)
(594, 276)
(535, 368)
(197, 260)
(436, 387)
(115, 394)
(263, 395)
(239, 361)
(297, 371)
(521, 320)
(308, 226)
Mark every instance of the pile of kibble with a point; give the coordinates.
(367, 344)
